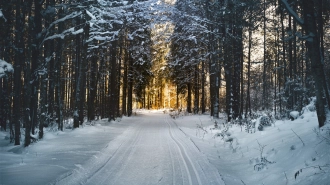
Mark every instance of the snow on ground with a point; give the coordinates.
(189, 144)
(57, 154)
(237, 155)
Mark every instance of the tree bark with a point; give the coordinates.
(113, 81)
(189, 98)
(314, 53)
(130, 88)
(19, 48)
(92, 87)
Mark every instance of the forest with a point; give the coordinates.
(93, 59)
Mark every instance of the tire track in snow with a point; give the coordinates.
(94, 168)
(189, 166)
(172, 163)
(131, 149)
(207, 173)
(119, 159)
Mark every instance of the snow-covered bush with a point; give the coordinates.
(250, 125)
(294, 115)
(310, 107)
(264, 121)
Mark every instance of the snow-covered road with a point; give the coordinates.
(153, 150)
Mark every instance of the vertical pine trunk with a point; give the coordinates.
(196, 90)
(43, 103)
(19, 58)
(177, 97)
(27, 86)
(203, 89)
(283, 63)
(6, 52)
(43, 73)
(118, 114)
(35, 64)
(248, 97)
(78, 79)
(92, 87)
(289, 91)
(320, 29)
(113, 81)
(238, 49)
(189, 98)
(51, 77)
(214, 79)
(314, 53)
(57, 76)
(125, 82)
(264, 62)
(82, 78)
(2, 99)
(130, 88)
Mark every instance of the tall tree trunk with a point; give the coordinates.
(283, 73)
(50, 53)
(130, 88)
(57, 75)
(125, 82)
(82, 79)
(19, 48)
(203, 88)
(6, 53)
(92, 88)
(27, 86)
(248, 96)
(113, 81)
(78, 80)
(214, 79)
(35, 64)
(314, 53)
(265, 62)
(118, 114)
(43, 73)
(189, 98)
(196, 90)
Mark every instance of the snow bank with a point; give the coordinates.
(287, 152)
(294, 114)
(56, 154)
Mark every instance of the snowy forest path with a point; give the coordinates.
(153, 150)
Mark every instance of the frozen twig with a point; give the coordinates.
(287, 180)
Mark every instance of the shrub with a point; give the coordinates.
(264, 121)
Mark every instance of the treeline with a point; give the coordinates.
(71, 59)
(266, 55)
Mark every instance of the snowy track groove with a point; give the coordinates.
(153, 150)
(191, 170)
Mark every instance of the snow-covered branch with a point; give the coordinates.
(66, 32)
(293, 13)
(5, 68)
(2, 16)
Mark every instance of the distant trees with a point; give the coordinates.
(258, 50)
